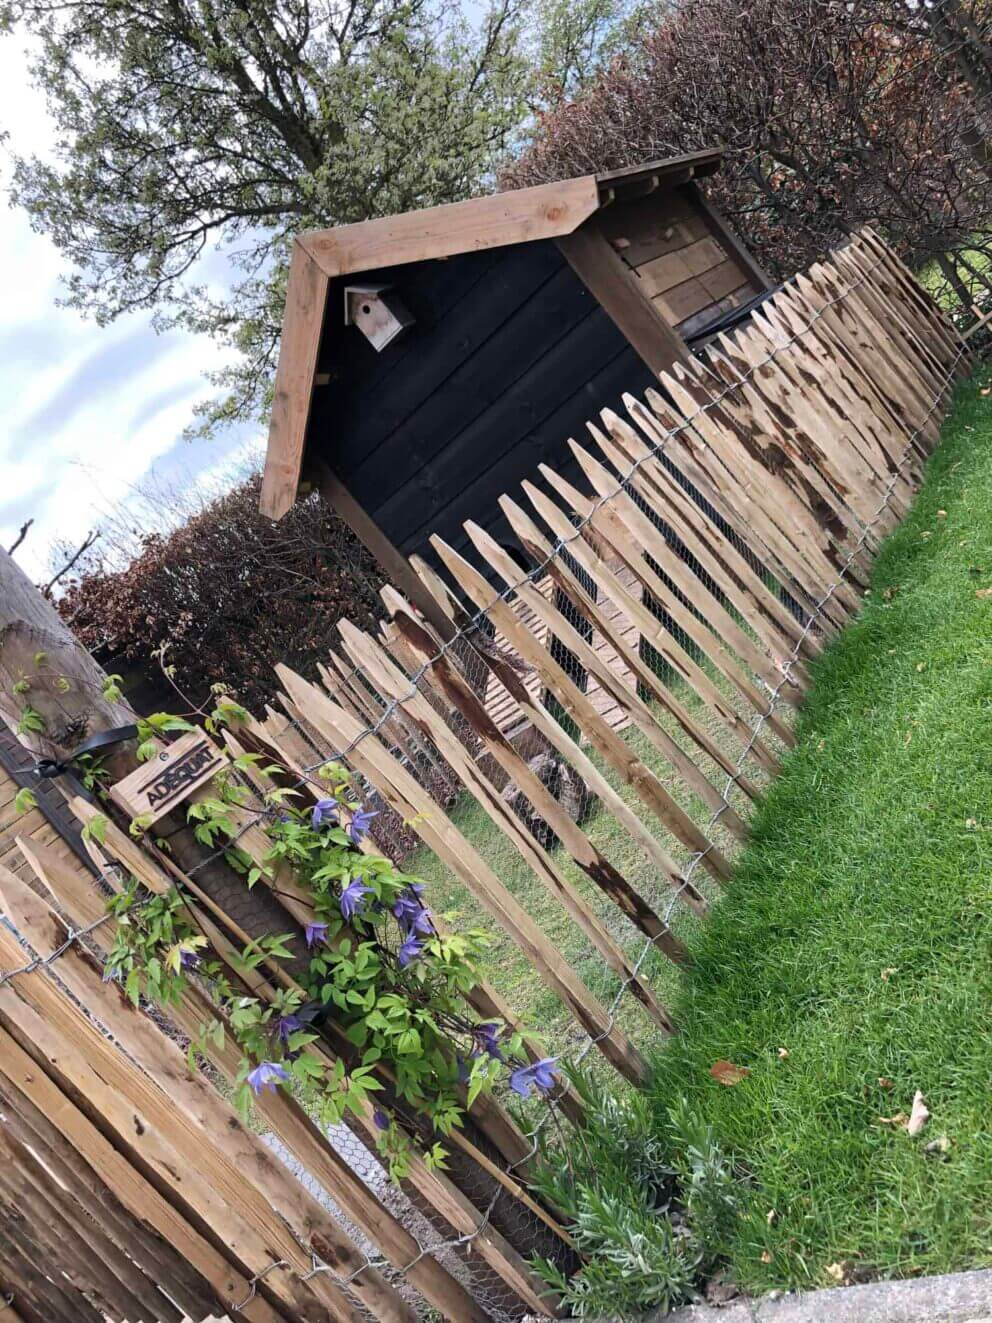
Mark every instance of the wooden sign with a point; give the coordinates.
(168, 778)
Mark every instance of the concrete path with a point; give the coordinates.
(957, 1298)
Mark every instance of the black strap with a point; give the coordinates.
(46, 768)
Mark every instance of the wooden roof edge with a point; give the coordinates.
(302, 326)
(543, 211)
(700, 163)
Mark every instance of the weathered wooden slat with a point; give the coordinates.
(442, 1194)
(305, 1140)
(594, 864)
(663, 640)
(133, 1190)
(437, 832)
(537, 545)
(747, 592)
(186, 1131)
(723, 630)
(76, 1246)
(707, 457)
(642, 715)
(609, 745)
(397, 686)
(156, 1257)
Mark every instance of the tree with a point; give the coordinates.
(185, 124)
(227, 594)
(833, 114)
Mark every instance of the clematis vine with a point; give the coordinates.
(378, 970)
(539, 1075)
(359, 825)
(266, 1077)
(411, 950)
(324, 811)
(353, 898)
(315, 934)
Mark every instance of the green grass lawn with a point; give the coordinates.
(857, 935)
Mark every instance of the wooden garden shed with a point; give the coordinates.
(431, 361)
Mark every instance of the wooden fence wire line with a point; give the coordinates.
(465, 632)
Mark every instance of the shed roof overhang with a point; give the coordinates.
(546, 211)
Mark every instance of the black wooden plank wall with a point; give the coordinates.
(509, 356)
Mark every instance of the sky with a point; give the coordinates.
(89, 413)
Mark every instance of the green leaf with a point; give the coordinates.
(96, 829)
(25, 799)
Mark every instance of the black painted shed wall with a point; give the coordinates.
(509, 356)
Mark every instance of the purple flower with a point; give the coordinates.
(410, 950)
(410, 914)
(288, 1025)
(487, 1040)
(315, 932)
(463, 1070)
(187, 960)
(540, 1075)
(382, 1121)
(266, 1077)
(359, 825)
(325, 810)
(111, 975)
(353, 898)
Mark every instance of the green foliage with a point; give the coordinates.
(31, 721)
(25, 799)
(350, 110)
(378, 967)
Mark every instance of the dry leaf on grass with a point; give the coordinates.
(887, 973)
(884, 1082)
(983, 592)
(838, 1272)
(900, 1118)
(783, 1053)
(766, 1257)
(919, 1115)
(725, 1072)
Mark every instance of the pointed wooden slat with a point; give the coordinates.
(397, 686)
(779, 390)
(609, 745)
(734, 496)
(188, 1117)
(133, 1190)
(814, 555)
(644, 718)
(724, 632)
(651, 628)
(437, 832)
(586, 855)
(747, 592)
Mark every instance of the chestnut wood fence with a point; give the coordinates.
(723, 534)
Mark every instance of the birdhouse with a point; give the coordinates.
(377, 311)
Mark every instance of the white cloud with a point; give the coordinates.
(88, 412)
